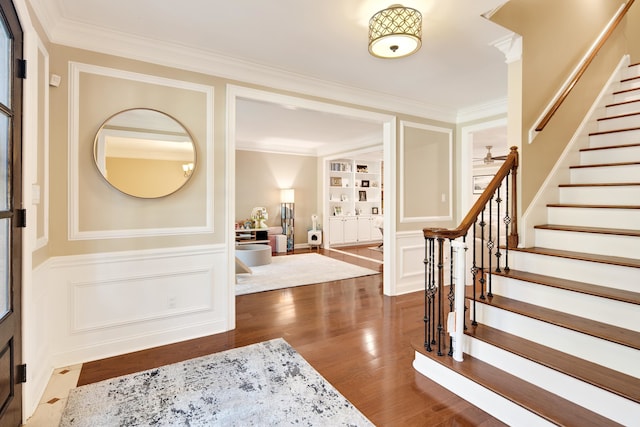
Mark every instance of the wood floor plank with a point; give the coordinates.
(357, 338)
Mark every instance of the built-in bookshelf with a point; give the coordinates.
(354, 187)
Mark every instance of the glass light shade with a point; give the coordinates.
(287, 195)
(395, 32)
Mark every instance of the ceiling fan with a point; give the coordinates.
(489, 158)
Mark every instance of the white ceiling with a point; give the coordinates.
(313, 47)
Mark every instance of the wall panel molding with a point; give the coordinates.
(74, 232)
(106, 304)
(404, 193)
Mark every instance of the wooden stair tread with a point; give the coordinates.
(633, 89)
(628, 79)
(590, 327)
(597, 230)
(537, 400)
(610, 147)
(603, 184)
(604, 165)
(575, 205)
(602, 259)
(575, 286)
(619, 116)
(615, 104)
(613, 381)
(605, 132)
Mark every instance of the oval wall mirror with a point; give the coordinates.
(144, 153)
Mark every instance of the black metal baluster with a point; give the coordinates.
(464, 240)
(482, 275)
(490, 245)
(440, 292)
(498, 253)
(507, 222)
(425, 318)
(474, 272)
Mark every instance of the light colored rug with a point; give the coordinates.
(265, 384)
(297, 270)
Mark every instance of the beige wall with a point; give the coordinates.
(426, 172)
(556, 35)
(259, 178)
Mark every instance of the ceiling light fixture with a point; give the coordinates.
(395, 32)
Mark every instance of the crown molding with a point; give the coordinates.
(482, 111)
(88, 37)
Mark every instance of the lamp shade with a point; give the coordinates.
(395, 32)
(287, 195)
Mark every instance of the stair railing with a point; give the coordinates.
(492, 225)
(583, 65)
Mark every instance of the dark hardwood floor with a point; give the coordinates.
(357, 338)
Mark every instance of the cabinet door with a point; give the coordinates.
(350, 230)
(364, 229)
(376, 233)
(336, 231)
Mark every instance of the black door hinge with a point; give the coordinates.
(21, 69)
(22, 373)
(21, 218)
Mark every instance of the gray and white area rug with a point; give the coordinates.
(264, 384)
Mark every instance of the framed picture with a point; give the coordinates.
(374, 211)
(362, 196)
(336, 181)
(337, 210)
(480, 183)
(362, 168)
(365, 183)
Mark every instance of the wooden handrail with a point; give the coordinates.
(509, 165)
(551, 111)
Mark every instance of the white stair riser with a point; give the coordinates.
(607, 195)
(605, 174)
(631, 71)
(596, 350)
(627, 108)
(615, 313)
(610, 155)
(596, 399)
(614, 138)
(624, 122)
(601, 244)
(595, 217)
(628, 84)
(613, 276)
(626, 96)
(490, 402)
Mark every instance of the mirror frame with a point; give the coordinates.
(97, 149)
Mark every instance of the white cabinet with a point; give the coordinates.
(343, 229)
(364, 229)
(353, 229)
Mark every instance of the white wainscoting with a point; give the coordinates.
(409, 260)
(102, 305)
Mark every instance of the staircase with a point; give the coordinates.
(558, 343)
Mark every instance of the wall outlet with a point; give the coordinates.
(171, 302)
